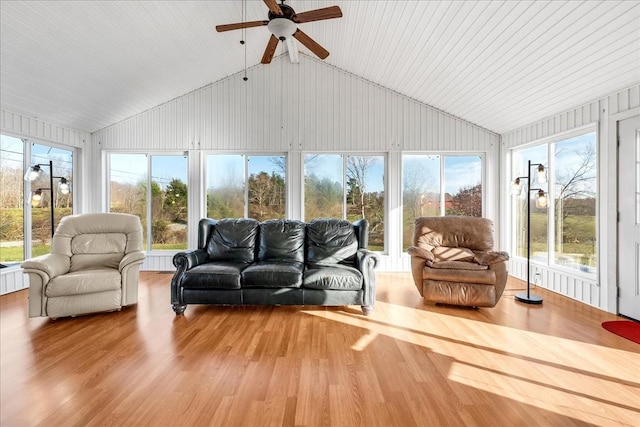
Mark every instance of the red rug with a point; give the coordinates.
(624, 328)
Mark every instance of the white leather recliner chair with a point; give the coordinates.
(93, 266)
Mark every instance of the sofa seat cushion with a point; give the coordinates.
(84, 282)
(480, 276)
(214, 275)
(338, 277)
(273, 274)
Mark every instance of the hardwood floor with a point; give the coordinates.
(409, 363)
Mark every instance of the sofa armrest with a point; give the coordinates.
(186, 260)
(367, 262)
(136, 257)
(417, 252)
(52, 265)
(490, 257)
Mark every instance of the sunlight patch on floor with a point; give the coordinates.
(525, 366)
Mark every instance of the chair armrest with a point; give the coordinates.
(52, 264)
(136, 257)
(186, 260)
(421, 253)
(490, 257)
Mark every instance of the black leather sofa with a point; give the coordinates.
(276, 262)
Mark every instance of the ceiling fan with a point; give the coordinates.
(283, 22)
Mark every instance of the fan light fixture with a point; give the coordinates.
(282, 28)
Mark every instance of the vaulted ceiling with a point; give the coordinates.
(499, 64)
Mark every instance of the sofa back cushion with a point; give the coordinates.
(453, 232)
(331, 241)
(233, 240)
(281, 240)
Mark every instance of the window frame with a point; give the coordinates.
(148, 242)
(246, 158)
(550, 261)
(442, 192)
(27, 222)
(345, 155)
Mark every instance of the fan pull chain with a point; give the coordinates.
(242, 42)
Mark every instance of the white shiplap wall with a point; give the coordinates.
(603, 112)
(22, 126)
(296, 108)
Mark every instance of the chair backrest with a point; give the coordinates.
(454, 232)
(97, 240)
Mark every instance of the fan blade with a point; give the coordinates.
(273, 6)
(239, 25)
(311, 44)
(272, 45)
(317, 15)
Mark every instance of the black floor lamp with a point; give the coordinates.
(33, 173)
(541, 202)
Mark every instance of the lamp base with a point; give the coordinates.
(529, 299)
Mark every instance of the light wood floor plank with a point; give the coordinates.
(408, 364)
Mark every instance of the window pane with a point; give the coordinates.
(11, 200)
(323, 188)
(539, 216)
(463, 185)
(365, 195)
(128, 186)
(169, 202)
(62, 161)
(267, 187)
(575, 202)
(225, 186)
(420, 191)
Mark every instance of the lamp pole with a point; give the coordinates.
(528, 297)
(51, 196)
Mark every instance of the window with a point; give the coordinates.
(153, 187)
(14, 223)
(241, 186)
(565, 233)
(349, 187)
(437, 185)
(11, 199)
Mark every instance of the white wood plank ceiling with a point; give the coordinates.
(498, 64)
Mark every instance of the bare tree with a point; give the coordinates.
(576, 182)
(357, 168)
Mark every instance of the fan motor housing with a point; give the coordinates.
(287, 12)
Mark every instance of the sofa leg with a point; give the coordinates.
(367, 309)
(178, 308)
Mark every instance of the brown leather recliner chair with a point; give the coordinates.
(453, 262)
